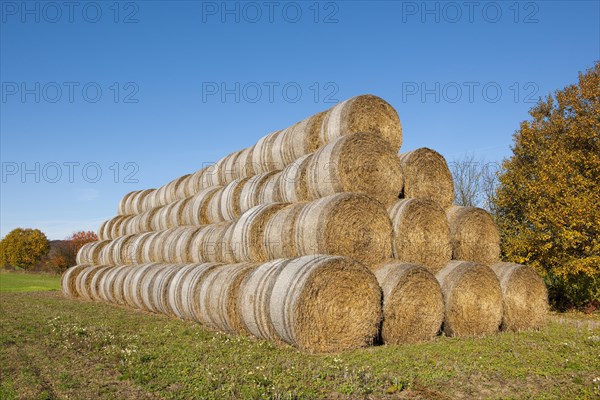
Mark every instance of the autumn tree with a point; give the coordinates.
(548, 201)
(80, 238)
(23, 248)
(63, 253)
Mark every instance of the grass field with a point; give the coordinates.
(21, 282)
(52, 347)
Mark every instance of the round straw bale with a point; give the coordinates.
(366, 113)
(90, 252)
(107, 228)
(162, 194)
(525, 297)
(175, 214)
(227, 244)
(102, 252)
(83, 255)
(135, 251)
(181, 248)
(247, 234)
(262, 154)
(185, 189)
(172, 189)
(413, 306)
(163, 242)
(133, 284)
(157, 247)
(176, 242)
(96, 286)
(197, 208)
(105, 254)
(101, 232)
(151, 247)
(427, 176)
(68, 282)
(218, 296)
(121, 251)
(210, 177)
(298, 140)
(167, 240)
(278, 239)
(148, 285)
(346, 224)
(115, 227)
(472, 297)
(109, 283)
(133, 202)
(121, 277)
(254, 301)
(227, 168)
(151, 200)
(278, 152)
(292, 184)
(129, 203)
(207, 244)
(129, 225)
(362, 163)
(124, 293)
(473, 234)
(251, 189)
(243, 167)
(123, 207)
(83, 282)
(143, 201)
(214, 208)
(230, 199)
(314, 304)
(188, 291)
(122, 228)
(146, 220)
(194, 182)
(175, 296)
(421, 233)
(160, 220)
(133, 225)
(161, 288)
(269, 191)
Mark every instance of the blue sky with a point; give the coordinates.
(143, 92)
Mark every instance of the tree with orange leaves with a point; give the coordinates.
(548, 201)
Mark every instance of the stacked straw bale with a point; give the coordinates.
(265, 232)
(426, 175)
(525, 297)
(421, 233)
(309, 302)
(366, 113)
(413, 306)
(473, 299)
(320, 235)
(474, 235)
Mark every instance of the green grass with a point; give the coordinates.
(23, 282)
(51, 347)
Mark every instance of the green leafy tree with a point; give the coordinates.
(23, 248)
(548, 200)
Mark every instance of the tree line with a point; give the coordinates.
(30, 250)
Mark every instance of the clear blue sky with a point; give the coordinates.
(158, 65)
